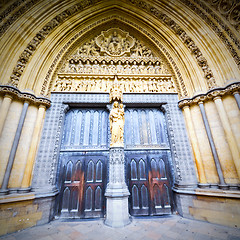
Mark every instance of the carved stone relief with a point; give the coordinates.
(115, 43)
(163, 84)
(96, 63)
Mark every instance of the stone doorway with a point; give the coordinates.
(83, 161)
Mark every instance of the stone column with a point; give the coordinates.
(12, 154)
(117, 192)
(228, 132)
(4, 110)
(195, 147)
(237, 98)
(212, 146)
(26, 181)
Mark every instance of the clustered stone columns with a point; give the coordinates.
(228, 132)
(216, 96)
(196, 151)
(6, 177)
(27, 177)
(213, 148)
(117, 192)
(12, 94)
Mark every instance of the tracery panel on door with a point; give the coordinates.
(72, 182)
(145, 128)
(95, 186)
(149, 183)
(138, 185)
(159, 184)
(85, 129)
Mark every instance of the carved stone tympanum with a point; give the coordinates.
(115, 42)
(95, 64)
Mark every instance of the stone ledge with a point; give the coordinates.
(26, 196)
(211, 94)
(209, 192)
(15, 93)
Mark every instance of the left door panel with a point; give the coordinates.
(72, 186)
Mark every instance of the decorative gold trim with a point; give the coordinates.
(212, 94)
(24, 96)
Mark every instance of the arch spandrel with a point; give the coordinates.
(178, 50)
(51, 48)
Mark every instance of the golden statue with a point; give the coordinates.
(116, 118)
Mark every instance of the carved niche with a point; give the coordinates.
(115, 42)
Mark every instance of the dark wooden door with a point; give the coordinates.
(82, 163)
(148, 156)
(94, 188)
(149, 185)
(71, 194)
(138, 184)
(159, 186)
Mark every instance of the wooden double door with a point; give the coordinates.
(149, 185)
(84, 153)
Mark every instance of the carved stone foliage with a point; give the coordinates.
(141, 84)
(41, 35)
(219, 26)
(214, 93)
(24, 96)
(230, 9)
(187, 40)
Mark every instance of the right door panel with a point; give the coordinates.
(149, 185)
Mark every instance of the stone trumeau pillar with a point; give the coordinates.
(116, 192)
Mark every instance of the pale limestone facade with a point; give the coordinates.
(189, 48)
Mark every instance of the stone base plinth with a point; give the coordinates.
(117, 192)
(117, 208)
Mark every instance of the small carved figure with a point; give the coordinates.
(114, 46)
(80, 67)
(127, 68)
(157, 68)
(142, 68)
(104, 68)
(150, 68)
(72, 68)
(95, 67)
(119, 67)
(116, 118)
(112, 68)
(88, 67)
(134, 68)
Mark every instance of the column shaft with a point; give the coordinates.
(26, 181)
(14, 148)
(212, 145)
(195, 146)
(4, 110)
(237, 98)
(229, 134)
